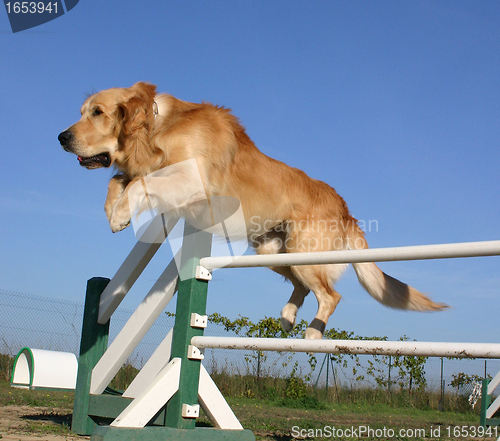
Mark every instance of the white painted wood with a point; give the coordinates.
(128, 273)
(157, 361)
(396, 348)
(493, 384)
(134, 330)
(190, 410)
(193, 353)
(493, 408)
(140, 411)
(214, 404)
(443, 251)
(199, 321)
(203, 274)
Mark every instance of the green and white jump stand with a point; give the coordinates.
(490, 415)
(163, 401)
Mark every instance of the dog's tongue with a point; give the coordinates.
(80, 159)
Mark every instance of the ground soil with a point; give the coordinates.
(17, 424)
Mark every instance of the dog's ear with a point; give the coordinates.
(145, 90)
(135, 120)
(131, 115)
(138, 110)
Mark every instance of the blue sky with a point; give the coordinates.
(395, 104)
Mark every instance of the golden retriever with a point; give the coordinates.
(138, 132)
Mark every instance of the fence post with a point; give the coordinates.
(258, 361)
(327, 372)
(485, 401)
(191, 298)
(389, 379)
(441, 396)
(94, 342)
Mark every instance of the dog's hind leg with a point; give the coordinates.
(320, 279)
(273, 243)
(289, 312)
(309, 237)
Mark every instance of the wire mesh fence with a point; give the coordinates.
(45, 323)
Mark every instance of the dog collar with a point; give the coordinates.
(155, 109)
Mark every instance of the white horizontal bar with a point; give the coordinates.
(443, 251)
(370, 347)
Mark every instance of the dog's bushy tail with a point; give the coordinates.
(386, 289)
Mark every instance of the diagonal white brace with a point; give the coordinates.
(128, 273)
(152, 399)
(494, 383)
(214, 404)
(493, 408)
(157, 361)
(135, 329)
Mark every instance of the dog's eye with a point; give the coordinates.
(97, 111)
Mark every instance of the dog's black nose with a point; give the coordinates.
(65, 137)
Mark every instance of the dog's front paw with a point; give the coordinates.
(118, 222)
(116, 188)
(109, 212)
(115, 226)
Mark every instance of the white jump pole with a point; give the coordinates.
(443, 251)
(369, 347)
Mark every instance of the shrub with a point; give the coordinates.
(124, 377)
(6, 365)
(295, 388)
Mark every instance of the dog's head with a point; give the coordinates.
(114, 126)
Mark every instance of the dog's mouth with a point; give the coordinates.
(97, 161)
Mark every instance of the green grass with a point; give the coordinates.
(265, 409)
(269, 422)
(49, 399)
(51, 412)
(280, 389)
(272, 407)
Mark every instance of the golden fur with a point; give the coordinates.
(285, 210)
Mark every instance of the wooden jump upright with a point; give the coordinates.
(163, 402)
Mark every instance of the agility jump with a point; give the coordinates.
(164, 399)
